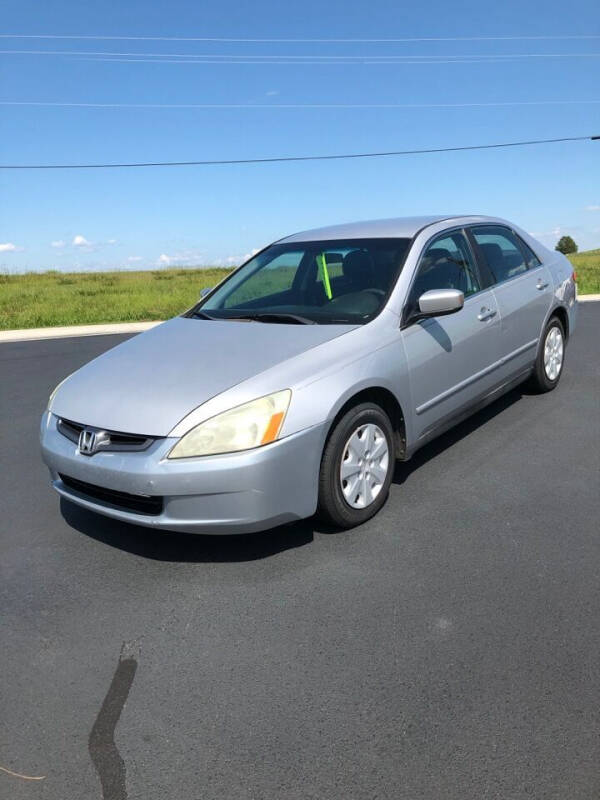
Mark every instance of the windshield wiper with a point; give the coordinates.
(200, 315)
(276, 316)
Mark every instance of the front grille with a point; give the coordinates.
(151, 505)
(69, 429)
(116, 442)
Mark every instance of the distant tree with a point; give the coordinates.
(566, 245)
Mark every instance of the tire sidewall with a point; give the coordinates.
(543, 380)
(331, 498)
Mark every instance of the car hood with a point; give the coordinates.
(147, 384)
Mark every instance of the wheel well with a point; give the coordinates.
(388, 402)
(562, 315)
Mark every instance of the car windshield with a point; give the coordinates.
(343, 281)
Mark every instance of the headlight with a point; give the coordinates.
(250, 425)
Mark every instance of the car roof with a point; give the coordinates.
(397, 227)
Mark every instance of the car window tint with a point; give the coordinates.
(501, 251)
(447, 263)
(353, 269)
(531, 259)
(277, 276)
(324, 281)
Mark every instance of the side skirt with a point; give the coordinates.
(464, 413)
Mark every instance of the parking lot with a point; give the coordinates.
(450, 648)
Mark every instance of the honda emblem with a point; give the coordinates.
(90, 441)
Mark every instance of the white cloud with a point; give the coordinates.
(133, 259)
(272, 92)
(233, 261)
(585, 237)
(58, 243)
(80, 241)
(9, 247)
(592, 208)
(182, 258)
(546, 234)
(84, 244)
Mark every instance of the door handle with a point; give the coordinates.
(541, 285)
(486, 313)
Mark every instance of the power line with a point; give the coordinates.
(298, 40)
(301, 58)
(278, 159)
(275, 106)
(315, 61)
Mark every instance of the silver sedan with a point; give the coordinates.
(295, 385)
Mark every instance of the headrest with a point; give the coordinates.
(493, 254)
(437, 254)
(357, 264)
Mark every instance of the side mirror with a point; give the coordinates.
(204, 292)
(437, 302)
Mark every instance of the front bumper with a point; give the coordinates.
(234, 493)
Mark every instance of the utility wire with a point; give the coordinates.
(291, 62)
(302, 58)
(337, 157)
(275, 106)
(299, 40)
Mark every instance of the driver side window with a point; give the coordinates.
(447, 263)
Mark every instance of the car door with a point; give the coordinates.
(449, 357)
(522, 286)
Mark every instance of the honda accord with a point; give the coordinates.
(295, 385)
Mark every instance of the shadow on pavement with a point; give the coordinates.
(460, 431)
(186, 547)
(201, 548)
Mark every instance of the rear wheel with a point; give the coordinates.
(550, 358)
(357, 467)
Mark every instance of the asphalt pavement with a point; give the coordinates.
(450, 648)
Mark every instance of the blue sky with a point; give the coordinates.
(202, 215)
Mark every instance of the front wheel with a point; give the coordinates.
(357, 467)
(550, 358)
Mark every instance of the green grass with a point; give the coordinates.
(587, 266)
(40, 299)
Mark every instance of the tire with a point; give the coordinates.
(550, 359)
(344, 501)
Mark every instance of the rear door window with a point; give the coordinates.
(531, 259)
(501, 251)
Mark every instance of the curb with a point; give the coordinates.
(588, 298)
(67, 331)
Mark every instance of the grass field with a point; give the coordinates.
(40, 299)
(587, 266)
